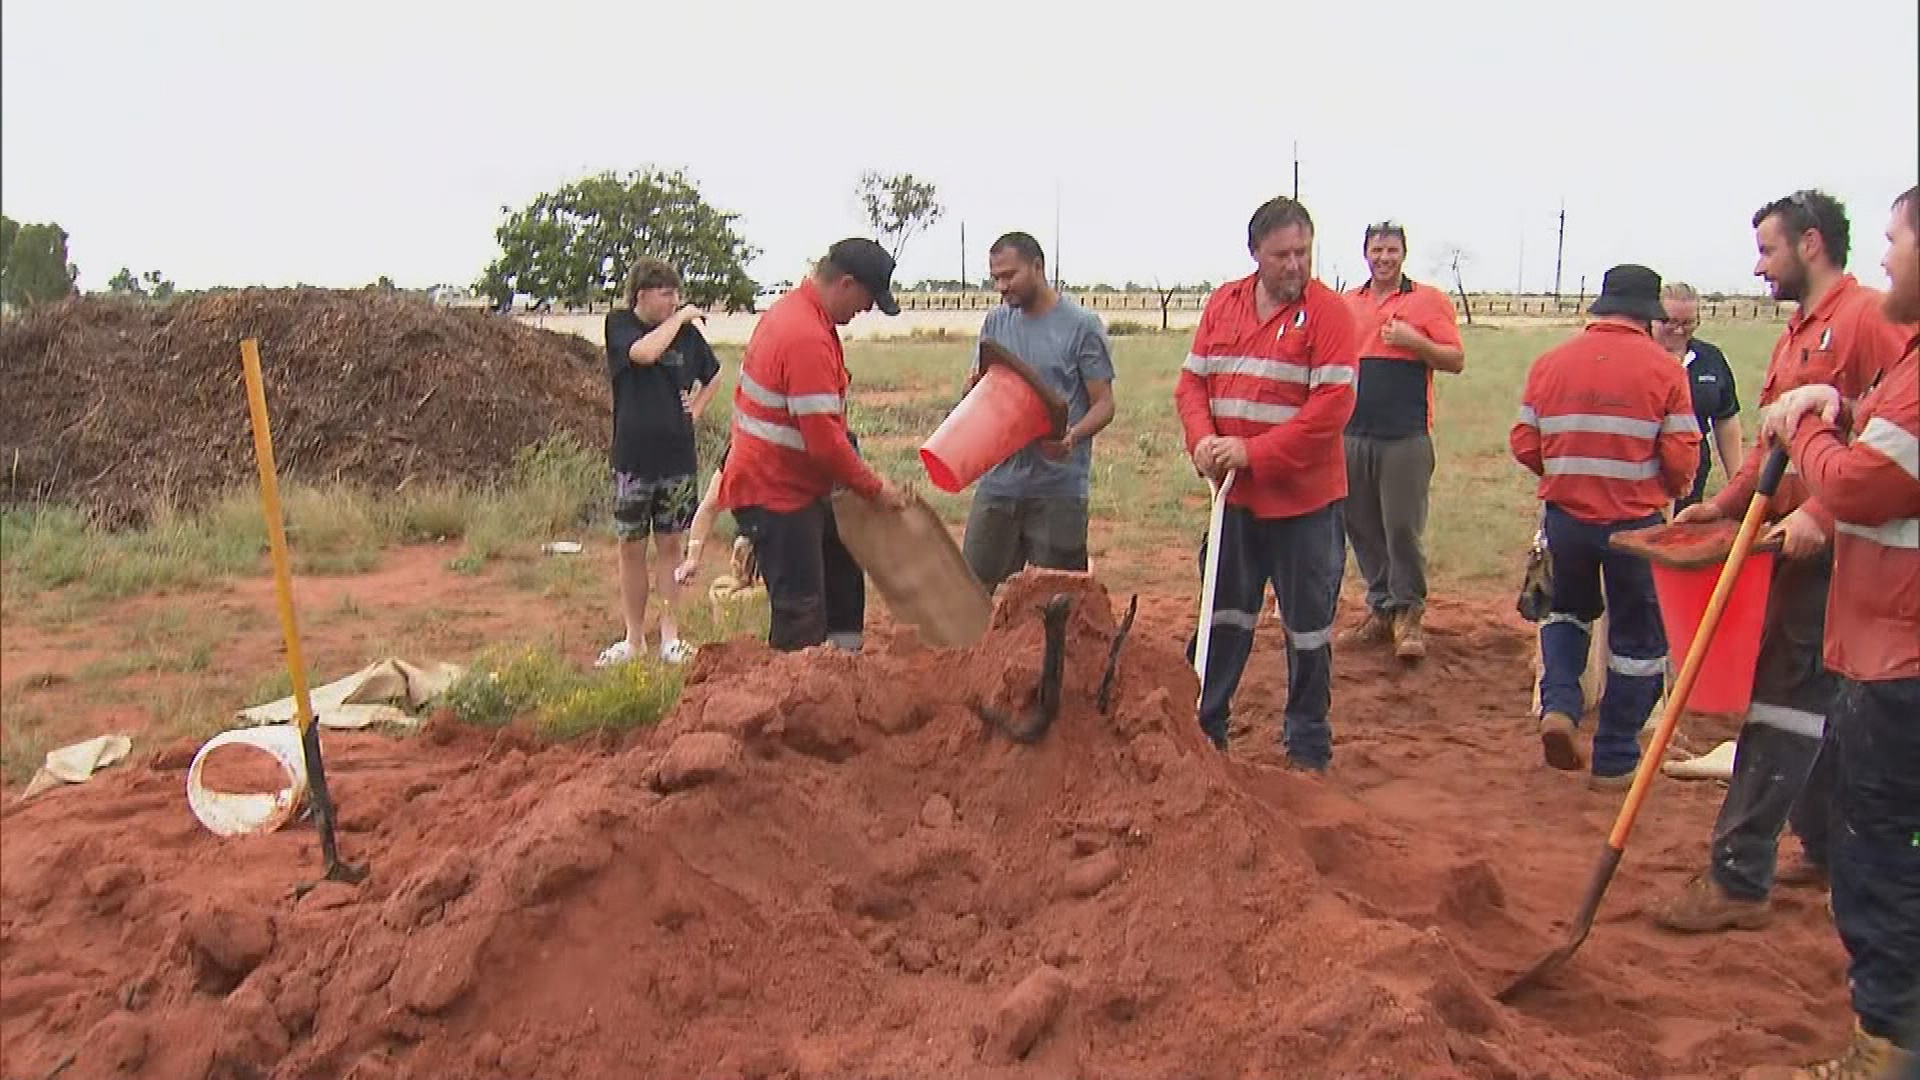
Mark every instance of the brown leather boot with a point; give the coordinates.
(1376, 630)
(1409, 641)
(1557, 742)
(1867, 1057)
(1703, 907)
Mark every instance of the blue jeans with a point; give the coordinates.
(1303, 557)
(1591, 579)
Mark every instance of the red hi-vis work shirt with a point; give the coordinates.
(1606, 423)
(1845, 341)
(1284, 384)
(790, 445)
(1871, 486)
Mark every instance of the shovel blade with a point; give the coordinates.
(1576, 934)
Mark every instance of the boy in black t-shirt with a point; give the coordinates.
(662, 373)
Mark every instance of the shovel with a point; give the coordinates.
(1210, 578)
(1743, 542)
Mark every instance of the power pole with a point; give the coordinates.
(1296, 170)
(1558, 252)
(1056, 235)
(963, 257)
(1520, 284)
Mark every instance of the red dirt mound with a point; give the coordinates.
(110, 403)
(820, 866)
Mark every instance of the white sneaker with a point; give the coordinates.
(675, 651)
(617, 653)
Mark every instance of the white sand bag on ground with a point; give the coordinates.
(1715, 764)
(389, 691)
(76, 763)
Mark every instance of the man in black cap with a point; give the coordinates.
(791, 449)
(1607, 424)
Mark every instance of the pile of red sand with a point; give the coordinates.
(111, 403)
(820, 866)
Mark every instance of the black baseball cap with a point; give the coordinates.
(869, 264)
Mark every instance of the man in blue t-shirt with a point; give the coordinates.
(1031, 509)
(1716, 407)
(662, 373)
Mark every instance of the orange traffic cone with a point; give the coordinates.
(1007, 409)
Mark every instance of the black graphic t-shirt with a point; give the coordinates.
(652, 434)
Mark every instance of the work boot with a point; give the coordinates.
(1610, 784)
(1409, 641)
(1802, 873)
(1703, 907)
(1867, 1057)
(1376, 630)
(1556, 739)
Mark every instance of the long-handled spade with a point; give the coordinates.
(1210, 576)
(1743, 541)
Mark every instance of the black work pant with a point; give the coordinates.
(1780, 775)
(1386, 515)
(816, 592)
(1303, 557)
(1874, 737)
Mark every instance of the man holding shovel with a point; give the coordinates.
(791, 449)
(1861, 460)
(1263, 398)
(1032, 507)
(1838, 336)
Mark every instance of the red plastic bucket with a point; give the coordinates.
(1001, 414)
(1725, 682)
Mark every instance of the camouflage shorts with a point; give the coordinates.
(661, 506)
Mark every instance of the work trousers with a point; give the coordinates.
(1591, 579)
(1302, 557)
(1386, 518)
(816, 592)
(1005, 534)
(1780, 774)
(1875, 849)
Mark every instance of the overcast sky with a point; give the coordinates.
(264, 142)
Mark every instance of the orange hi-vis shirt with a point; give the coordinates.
(1394, 397)
(1606, 423)
(1871, 486)
(790, 446)
(1284, 384)
(1844, 341)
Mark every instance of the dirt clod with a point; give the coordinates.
(1024, 1015)
(696, 758)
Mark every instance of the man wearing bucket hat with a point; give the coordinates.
(1031, 509)
(1861, 460)
(1840, 337)
(791, 449)
(1263, 397)
(1607, 425)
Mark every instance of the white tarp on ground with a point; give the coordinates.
(388, 692)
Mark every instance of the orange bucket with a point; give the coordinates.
(1007, 409)
(1686, 562)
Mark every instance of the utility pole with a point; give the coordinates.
(963, 257)
(1558, 253)
(1520, 284)
(1296, 170)
(1056, 235)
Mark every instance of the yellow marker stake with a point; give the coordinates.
(283, 587)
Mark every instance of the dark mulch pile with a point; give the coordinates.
(109, 404)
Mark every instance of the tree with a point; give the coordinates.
(575, 245)
(36, 269)
(897, 206)
(160, 288)
(124, 282)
